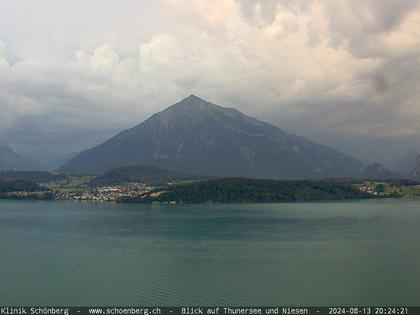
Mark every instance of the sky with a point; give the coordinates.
(343, 73)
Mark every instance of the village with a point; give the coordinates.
(105, 193)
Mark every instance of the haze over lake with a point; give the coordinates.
(82, 253)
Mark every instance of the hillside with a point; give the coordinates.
(24, 190)
(139, 174)
(230, 190)
(19, 186)
(198, 137)
(377, 171)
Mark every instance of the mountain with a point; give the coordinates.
(139, 174)
(406, 164)
(60, 160)
(377, 171)
(11, 160)
(415, 174)
(198, 137)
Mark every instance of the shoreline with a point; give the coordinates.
(212, 203)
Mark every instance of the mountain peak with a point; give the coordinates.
(192, 101)
(191, 109)
(193, 97)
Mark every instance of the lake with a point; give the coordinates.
(324, 253)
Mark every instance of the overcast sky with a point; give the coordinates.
(344, 73)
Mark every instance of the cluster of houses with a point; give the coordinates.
(105, 193)
(373, 190)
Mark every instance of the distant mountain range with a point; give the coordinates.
(12, 160)
(197, 137)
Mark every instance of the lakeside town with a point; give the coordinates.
(78, 188)
(114, 193)
(112, 188)
(105, 193)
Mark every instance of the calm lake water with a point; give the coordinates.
(70, 253)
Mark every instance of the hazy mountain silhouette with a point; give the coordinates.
(406, 164)
(198, 137)
(377, 171)
(415, 174)
(12, 160)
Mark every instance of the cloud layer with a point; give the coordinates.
(73, 76)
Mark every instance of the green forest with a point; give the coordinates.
(242, 190)
(22, 189)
